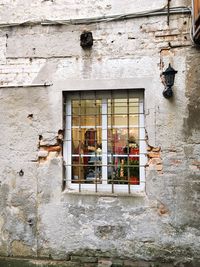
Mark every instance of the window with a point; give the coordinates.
(104, 149)
(196, 20)
(196, 4)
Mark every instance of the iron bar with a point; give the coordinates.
(26, 85)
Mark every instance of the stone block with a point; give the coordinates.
(130, 263)
(84, 259)
(90, 264)
(117, 263)
(104, 262)
(18, 248)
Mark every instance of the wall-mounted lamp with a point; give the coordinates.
(168, 80)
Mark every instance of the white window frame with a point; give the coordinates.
(67, 148)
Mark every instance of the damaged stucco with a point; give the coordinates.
(41, 218)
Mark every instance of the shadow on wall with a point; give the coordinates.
(192, 122)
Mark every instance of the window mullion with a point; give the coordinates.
(95, 144)
(68, 149)
(79, 145)
(128, 145)
(141, 137)
(104, 142)
(112, 118)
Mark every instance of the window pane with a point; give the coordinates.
(86, 141)
(86, 121)
(86, 107)
(117, 140)
(117, 121)
(117, 106)
(117, 170)
(123, 141)
(134, 135)
(123, 169)
(133, 105)
(86, 174)
(133, 120)
(77, 174)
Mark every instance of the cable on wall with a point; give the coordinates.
(106, 18)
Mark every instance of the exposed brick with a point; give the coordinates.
(159, 167)
(153, 155)
(156, 149)
(196, 163)
(52, 148)
(155, 161)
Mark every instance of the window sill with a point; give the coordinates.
(104, 194)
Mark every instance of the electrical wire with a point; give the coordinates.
(109, 18)
(190, 27)
(106, 18)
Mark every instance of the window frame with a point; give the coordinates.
(67, 148)
(196, 20)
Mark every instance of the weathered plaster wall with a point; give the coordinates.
(37, 218)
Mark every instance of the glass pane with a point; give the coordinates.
(123, 141)
(78, 174)
(134, 136)
(134, 105)
(117, 106)
(80, 160)
(86, 121)
(86, 174)
(133, 120)
(77, 147)
(76, 143)
(134, 175)
(117, 169)
(133, 146)
(117, 120)
(93, 174)
(92, 138)
(85, 141)
(117, 140)
(122, 170)
(114, 178)
(86, 107)
(122, 120)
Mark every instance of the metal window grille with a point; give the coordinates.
(105, 148)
